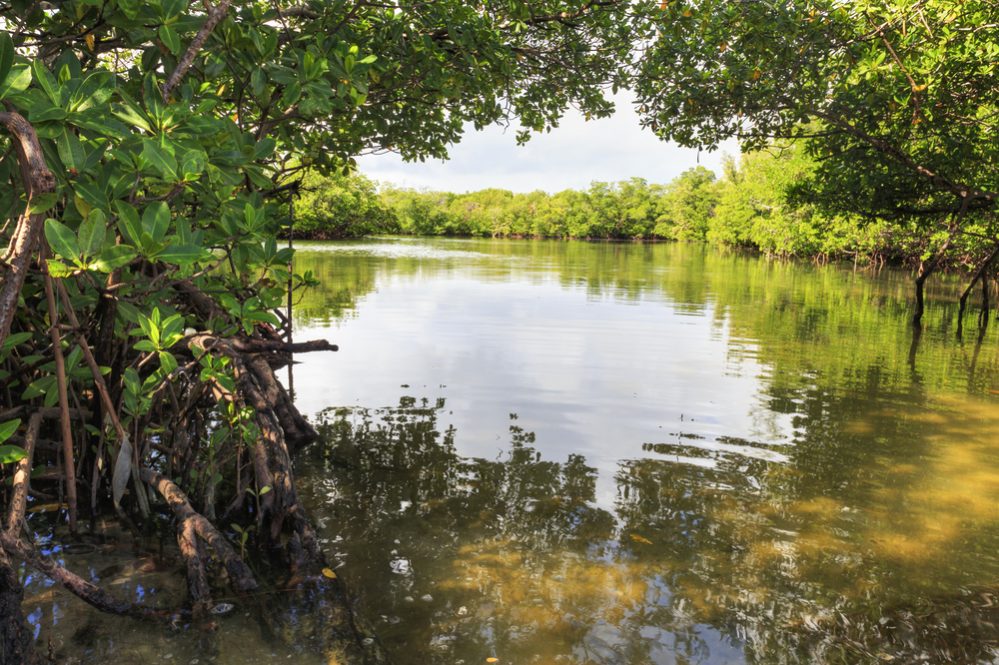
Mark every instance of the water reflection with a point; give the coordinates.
(765, 465)
(818, 551)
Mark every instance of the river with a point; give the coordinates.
(549, 452)
(566, 452)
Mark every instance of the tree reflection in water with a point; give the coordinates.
(716, 552)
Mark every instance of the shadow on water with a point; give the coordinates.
(828, 549)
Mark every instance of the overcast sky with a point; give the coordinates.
(570, 157)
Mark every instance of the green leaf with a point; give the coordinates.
(170, 39)
(11, 453)
(41, 386)
(168, 363)
(160, 156)
(17, 80)
(92, 232)
(47, 82)
(46, 113)
(70, 149)
(114, 257)
(91, 193)
(133, 115)
(14, 339)
(192, 164)
(58, 269)
(128, 222)
(42, 202)
(6, 55)
(156, 220)
(182, 255)
(258, 81)
(8, 428)
(61, 239)
(264, 148)
(172, 8)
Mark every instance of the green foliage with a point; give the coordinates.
(896, 100)
(159, 187)
(625, 210)
(174, 162)
(688, 205)
(757, 204)
(339, 206)
(9, 452)
(752, 206)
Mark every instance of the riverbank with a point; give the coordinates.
(754, 207)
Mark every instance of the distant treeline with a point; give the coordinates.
(757, 204)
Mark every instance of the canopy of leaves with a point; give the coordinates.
(899, 99)
(176, 130)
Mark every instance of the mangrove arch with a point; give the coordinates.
(150, 151)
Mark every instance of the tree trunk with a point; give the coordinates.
(917, 315)
(980, 273)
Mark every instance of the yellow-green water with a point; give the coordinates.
(560, 452)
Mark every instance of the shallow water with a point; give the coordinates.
(546, 452)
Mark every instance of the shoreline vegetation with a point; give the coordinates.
(760, 203)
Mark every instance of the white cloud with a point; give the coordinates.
(569, 157)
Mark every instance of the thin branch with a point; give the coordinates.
(38, 180)
(61, 383)
(215, 14)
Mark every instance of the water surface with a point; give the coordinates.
(561, 452)
(552, 452)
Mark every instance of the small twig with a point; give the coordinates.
(38, 180)
(95, 369)
(215, 14)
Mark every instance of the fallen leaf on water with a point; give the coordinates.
(328, 572)
(492, 660)
(640, 539)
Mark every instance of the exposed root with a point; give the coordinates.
(192, 522)
(88, 592)
(22, 478)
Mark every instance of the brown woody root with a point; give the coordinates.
(272, 461)
(15, 637)
(193, 523)
(22, 473)
(88, 592)
(284, 521)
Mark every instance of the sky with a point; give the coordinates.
(571, 156)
